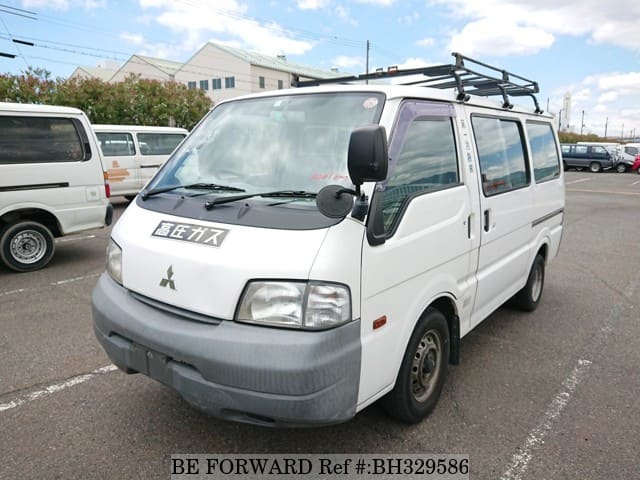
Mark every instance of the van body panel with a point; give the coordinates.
(208, 279)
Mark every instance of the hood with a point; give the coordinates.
(202, 266)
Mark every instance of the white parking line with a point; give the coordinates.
(56, 387)
(75, 239)
(636, 182)
(53, 284)
(578, 181)
(520, 461)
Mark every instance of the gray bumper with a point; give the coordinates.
(246, 373)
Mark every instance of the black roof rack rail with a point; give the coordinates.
(466, 75)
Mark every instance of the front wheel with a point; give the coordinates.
(26, 246)
(621, 168)
(423, 370)
(595, 167)
(528, 298)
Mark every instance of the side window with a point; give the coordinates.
(566, 148)
(503, 165)
(631, 151)
(115, 144)
(581, 149)
(546, 164)
(158, 143)
(39, 140)
(427, 161)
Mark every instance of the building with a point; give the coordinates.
(103, 74)
(225, 72)
(220, 71)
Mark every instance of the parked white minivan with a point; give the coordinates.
(133, 153)
(52, 181)
(307, 252)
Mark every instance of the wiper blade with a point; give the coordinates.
(278, 193)
(201, 186)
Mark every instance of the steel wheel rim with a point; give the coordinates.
(425, 368)
(28, 247)
(536, 287)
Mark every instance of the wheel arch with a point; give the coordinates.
(447, 306)
(39, 215)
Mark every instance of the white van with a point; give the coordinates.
(134, 153)
(52, 182)
(246, 276)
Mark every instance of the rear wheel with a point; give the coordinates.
(528, 298)
(595, 167)
(423, 370)
(26, 246)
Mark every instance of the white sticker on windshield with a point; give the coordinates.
(370, 103)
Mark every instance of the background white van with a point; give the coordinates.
(52, 181)
(133, 154)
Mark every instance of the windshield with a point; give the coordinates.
(293, 142)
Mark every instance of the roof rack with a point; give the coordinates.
(491, 81)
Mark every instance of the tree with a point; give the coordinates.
(135, 100)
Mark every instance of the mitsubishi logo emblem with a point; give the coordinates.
(168, 281)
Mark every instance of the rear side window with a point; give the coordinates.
(427, 161)
(546, 164)
(158, 143)
(503, 163)
(116, 144)
(39, 140)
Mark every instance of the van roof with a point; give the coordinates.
(37, 108)
(136, 128)
(396, 92)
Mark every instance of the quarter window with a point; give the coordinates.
(546, 164)
(116, 144)
(158, 143)
(39, 140)
(427, 161)
(503, 164)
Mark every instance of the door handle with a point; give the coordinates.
(486, 220)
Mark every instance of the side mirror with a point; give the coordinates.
(368, 157)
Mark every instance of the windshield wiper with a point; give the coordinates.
(201, 186)
(277, 194)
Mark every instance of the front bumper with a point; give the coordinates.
(247, 373)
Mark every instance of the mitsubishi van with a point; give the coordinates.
(52, 182)
(133, 153)
(307, 252)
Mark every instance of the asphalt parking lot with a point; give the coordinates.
(552, 395)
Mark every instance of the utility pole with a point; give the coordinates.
(582, 123)
(606, 124)
(622, 132)
(560, 120)
(367, 68)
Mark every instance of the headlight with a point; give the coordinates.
(312, 305)
(114, 261)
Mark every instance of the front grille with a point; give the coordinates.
(176, 311)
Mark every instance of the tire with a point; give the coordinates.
(423, 370)
(621, 168)
(565, 167)
(26, 246)
(638, 171)
(595, 167)
(528, 298)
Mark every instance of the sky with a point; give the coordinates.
(587, 48)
